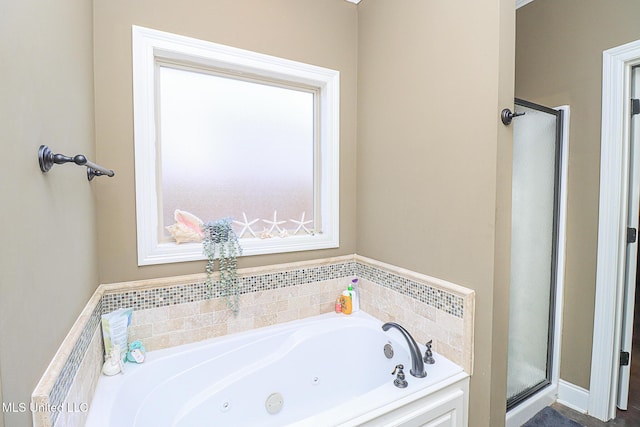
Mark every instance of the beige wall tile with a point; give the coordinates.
(285, 294)
(287, 315)
(311, 310)
(140, 332)
(151, 315)
(184, 310)
(212, 305)
(235, 325)
(167, 326)
(264, 297)
(198, 321)
(266, 320)
(213, 331)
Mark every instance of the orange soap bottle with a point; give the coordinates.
(345, 300)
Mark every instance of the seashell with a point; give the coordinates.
(190, 220)
(188, 227)
(266, 234)
(183, 234)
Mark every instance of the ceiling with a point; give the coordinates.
(519, 3)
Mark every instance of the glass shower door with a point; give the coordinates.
(535, 201)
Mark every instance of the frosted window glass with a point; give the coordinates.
(532, 240)
(230, 146)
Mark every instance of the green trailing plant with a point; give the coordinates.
(221, 242)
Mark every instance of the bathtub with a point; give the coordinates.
(325, 370)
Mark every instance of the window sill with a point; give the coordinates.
(166, 253)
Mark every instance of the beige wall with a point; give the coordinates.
(434, 161)
(48, 260)
(559, 61)
(322, 33)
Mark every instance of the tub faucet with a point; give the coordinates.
(417, 366)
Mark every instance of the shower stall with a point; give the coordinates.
(535, 242)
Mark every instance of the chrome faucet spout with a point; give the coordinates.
(417, 365)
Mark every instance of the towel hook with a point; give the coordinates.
(506, 116)
(47, 159)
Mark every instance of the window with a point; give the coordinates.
(223, 132)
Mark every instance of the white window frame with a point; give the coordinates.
(150, 46)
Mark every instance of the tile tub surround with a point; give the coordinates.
(77, 361)
(76, 403)
(184, 323)
(430, 308)
(174, 311)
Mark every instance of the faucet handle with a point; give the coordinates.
(428, 354)
(400, 381)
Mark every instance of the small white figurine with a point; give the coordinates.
(114, 364)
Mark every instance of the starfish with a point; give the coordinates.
(275, 223)
(246, 225)
(301, 224)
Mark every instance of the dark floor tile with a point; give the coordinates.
(630, 418)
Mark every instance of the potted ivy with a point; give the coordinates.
(221, 242)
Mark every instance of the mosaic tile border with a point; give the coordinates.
(177, 294)
(64, 381)
(438, 298)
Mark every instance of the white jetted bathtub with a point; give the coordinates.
(322, 371)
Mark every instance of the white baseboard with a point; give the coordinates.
(572, 396)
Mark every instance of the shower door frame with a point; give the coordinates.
(555, 250)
